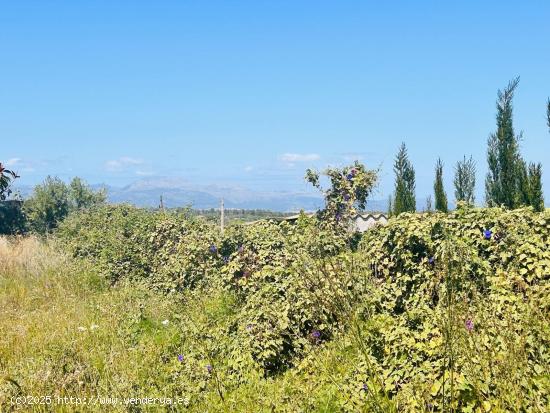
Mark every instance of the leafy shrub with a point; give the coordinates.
(53, 200)
(184, 252)
(430, 313)
(458, 305)
(115, 238)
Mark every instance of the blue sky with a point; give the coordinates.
(253, 93)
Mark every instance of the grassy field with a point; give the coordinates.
(122, 310)
(65, 333)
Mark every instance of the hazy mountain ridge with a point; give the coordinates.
(178, 192)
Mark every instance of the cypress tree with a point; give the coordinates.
(501, 185)
(524, 189)
(404, 199)
(465, 180)
(439, 190)
(535, 186)
(548, 114)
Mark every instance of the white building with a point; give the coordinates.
(361, 222)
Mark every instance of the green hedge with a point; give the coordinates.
(432, 312)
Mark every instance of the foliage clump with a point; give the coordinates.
(404, 198)
(465, 180)
(6, 178)
(429, 313)
(53, 200)
(347, 193)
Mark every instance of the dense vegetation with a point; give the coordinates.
(433, 312)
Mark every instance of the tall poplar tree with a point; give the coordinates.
(465, 180)
(524, 187)
(439, 190)
(502, 184)
(404, 199)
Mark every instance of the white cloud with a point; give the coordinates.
(248, 168)
(19, 165)
(299, 157)
(13, 161)
(122, 163)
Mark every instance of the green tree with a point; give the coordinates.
(548, 114)
(404, 199)
(502, 183)
(465, 180)
(524, 187)
(82, 196)
(535, 186)
(53, 200)
(6, 179)
(48, 205)
(348, 192)
(439, 190)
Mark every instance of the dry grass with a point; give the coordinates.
(27, 255)
(64, 332)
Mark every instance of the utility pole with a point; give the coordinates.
(222, 216)
(161, 206)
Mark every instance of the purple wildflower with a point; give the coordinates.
(364, 387)
(180, 358)
(225, 260)
(431, 260)
(316, 334)
(249, 327)
(213, 249)
(349, 177)
(209, 368)
(346, 197)
(487, 234)
(469, 325)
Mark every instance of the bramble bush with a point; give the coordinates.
(457, 318)
(432, 312)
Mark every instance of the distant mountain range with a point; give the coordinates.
(178, 192)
